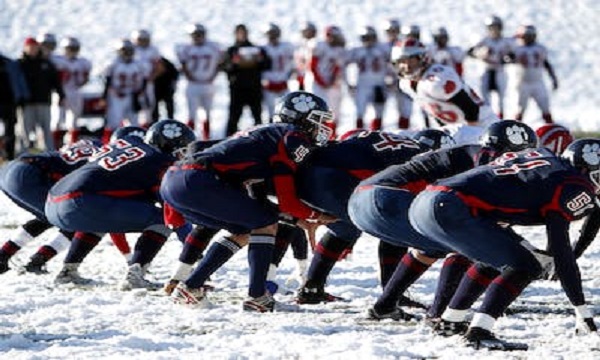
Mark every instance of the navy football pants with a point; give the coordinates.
(383, 213)
(27, 185)
(445, 218)
(203, 199)
(103, 214)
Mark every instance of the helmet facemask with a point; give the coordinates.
(318, 120)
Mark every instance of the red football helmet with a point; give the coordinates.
(554, 137)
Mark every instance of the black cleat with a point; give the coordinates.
(479, 338)
(316, 295)
(36, 265)
(447, 328)
(406, 301)
(396, 314)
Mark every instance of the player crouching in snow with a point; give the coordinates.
(532, 187)
(116, 192)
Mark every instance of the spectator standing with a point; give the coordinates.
(13, 91)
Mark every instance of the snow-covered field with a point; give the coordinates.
(40, 321)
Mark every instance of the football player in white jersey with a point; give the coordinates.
(147, 54)
(303, 51)
(124, 89)
(199, 64)
(275, 79)
(371, 59)
(442, 53)
(403, 101)
(441, 92)
(324, 77)
(492, 51)
(74, 72)
(531, 59)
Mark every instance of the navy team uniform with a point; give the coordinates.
(532, 187)
(215, 188)
(328, 179)
(27, 181)
(116, 192)
(380, 204)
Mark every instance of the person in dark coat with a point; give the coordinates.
(13, 91)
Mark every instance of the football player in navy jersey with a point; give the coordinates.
(326, 182)
(380, 204)
(27, 181)
(468, 213)
(117, 192)
(215, 188)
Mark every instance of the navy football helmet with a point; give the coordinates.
(134, 131)
(584, 154)
(308, 112)
(170, 136)
(509, 136)
(432, 139)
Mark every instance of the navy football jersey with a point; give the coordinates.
(59, 163)
(366, 153)
(522, 188)
(426, 168)
(125, 168)
(268, 154)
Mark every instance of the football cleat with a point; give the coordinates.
(316, 295)
(480, 338)
(447, 328)
(260, 304)
(170, 286)
(135, 279)
(70, 275)
(4, 264)
(395, 314)
(189, 296)
(36, 264)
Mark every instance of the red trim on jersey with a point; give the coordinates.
(282, 156)
(554, 204)
(459, 69)
(414, 187)
(474, 202)
(61, 198)
(510, 287)
(289, 203)
(314, 67)
(121, 243)
(172, 217)
(362, 173)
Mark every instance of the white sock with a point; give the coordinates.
(21, 237)
(455, 315)
(59, 242)
(483, 321)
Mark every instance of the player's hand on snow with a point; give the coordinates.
(584, 323)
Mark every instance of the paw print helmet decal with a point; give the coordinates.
(509, 135)
(432, 139)
(308, 112)
(584, 154)
(169, 136)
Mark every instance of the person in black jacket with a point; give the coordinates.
(244, 64)
(13, 91)
(165, 85)
(42, 80)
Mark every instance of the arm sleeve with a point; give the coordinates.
(557, 228)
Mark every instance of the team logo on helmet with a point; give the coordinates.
(446, 142)
(591, 154)
(303, 103)
(517, 135)
(172, 131)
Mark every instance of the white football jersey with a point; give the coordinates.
(443, 95)
(371, 63)
(302, 55)
(200, 60)
(282, 62)
(149, 56)
(126, 78)
(529, 62)
(449, 55)
(329, 62)
(74, 73)
(492, 51)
